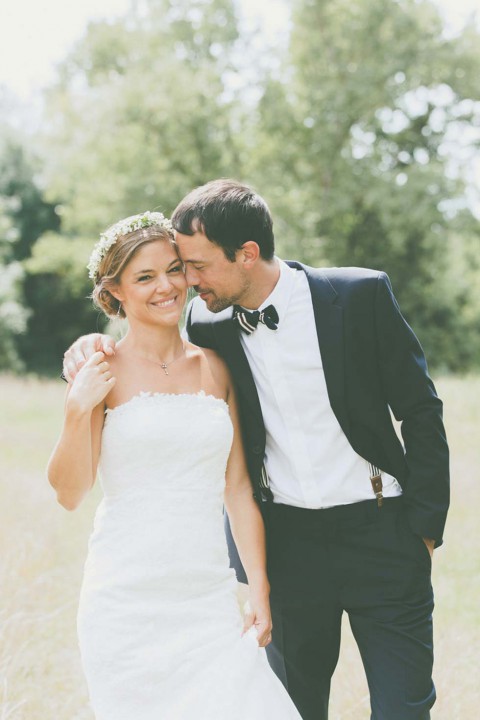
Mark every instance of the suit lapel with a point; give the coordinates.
(227, 336)
(328, 315)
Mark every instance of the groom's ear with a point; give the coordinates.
(249, 254)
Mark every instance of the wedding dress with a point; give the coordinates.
(160, 629)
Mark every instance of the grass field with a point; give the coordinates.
(42, 549)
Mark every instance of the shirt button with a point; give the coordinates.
(257, 449)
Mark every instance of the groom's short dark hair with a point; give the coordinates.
(229, 214)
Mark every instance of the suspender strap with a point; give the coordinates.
(265, 485)
(375, 479)
(377, 484)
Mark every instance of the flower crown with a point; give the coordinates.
(123, 227)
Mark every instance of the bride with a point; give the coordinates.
(160, 630)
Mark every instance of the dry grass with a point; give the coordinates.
(42, 548)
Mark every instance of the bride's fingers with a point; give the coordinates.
(264, 632)
(265, 640)
(95, 359)
(107, 386)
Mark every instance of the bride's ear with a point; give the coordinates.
(114, 291)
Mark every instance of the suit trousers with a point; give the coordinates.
(364, 560)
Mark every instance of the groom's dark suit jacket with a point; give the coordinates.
(372, 362)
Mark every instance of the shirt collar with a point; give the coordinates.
(280, 295)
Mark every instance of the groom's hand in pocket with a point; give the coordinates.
(430, 545)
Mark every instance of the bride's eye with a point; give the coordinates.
(176, 269)
(144, 277)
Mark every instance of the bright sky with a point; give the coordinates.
(37, 34)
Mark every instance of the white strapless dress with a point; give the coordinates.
(160, 629)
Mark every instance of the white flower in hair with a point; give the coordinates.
(123, 227)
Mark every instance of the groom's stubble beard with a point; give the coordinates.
(216, 303)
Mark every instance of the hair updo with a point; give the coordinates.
(115, 262)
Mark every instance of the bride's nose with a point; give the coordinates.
(163, 284)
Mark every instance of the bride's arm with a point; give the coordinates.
(248, 531)
(72, 467)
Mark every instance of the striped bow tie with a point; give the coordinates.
(248, 321)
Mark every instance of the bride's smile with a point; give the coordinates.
(165, 303)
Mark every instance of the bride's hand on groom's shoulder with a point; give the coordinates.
(92, 384)
(257, 613)
(82, 350)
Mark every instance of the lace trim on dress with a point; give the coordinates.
(164, 396)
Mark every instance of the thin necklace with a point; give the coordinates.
(164, 365)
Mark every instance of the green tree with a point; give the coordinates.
(139, 114)
(354, 139)
(349, 142)
(13, 316)
(57, 290)
(24, 216)
(23, 199)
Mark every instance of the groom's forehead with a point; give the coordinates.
(196, 248)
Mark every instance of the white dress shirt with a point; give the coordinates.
(308, 458)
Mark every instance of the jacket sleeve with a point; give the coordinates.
(413, 400)
(199, 333)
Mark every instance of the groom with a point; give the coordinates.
(319, 358)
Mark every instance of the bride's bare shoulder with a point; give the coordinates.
(211, 363)
(204, 355)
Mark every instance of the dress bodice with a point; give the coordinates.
(165, 443)
(162, 470)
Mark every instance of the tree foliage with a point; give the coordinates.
(371, 96)
(139, 114)
(23, 201)
(24, 216)
(57, 290)
(13, 315)
(353, 136)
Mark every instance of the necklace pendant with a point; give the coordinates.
(164, 368)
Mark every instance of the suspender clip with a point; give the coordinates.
(377, 484)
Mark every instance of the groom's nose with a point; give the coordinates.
(191, 276)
